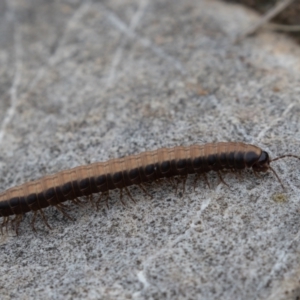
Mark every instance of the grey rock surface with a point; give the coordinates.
(86, 81)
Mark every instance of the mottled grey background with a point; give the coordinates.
(86, 81)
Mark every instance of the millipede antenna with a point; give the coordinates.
(283, 156)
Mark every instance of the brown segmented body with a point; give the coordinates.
(120, 173)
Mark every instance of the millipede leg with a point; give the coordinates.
(256, 174)
(13, 222)
(170, 180)
(91, 200)
(183, 183)
(144, 190)
(33, 220)
(99, 201)
(221, 178)
(277, 177)
(6, 224)
(78, 202)
(121, 197)
(44, 218)
(177, 183)
(2, 226)
(129, 195)
(106, 199)
(18, 220)
(206, 180)
(74, 202)
(239, 175)
(61, 207)
(160, 181)
(173, 182)
(195, 181)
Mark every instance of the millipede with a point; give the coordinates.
(120, 173)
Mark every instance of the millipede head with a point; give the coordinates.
(263, 163)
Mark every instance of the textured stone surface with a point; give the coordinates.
(87, 81)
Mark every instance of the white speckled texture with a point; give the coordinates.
(87, 81)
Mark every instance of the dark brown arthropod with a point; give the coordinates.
(137, 169)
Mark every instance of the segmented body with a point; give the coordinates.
(123, 172)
